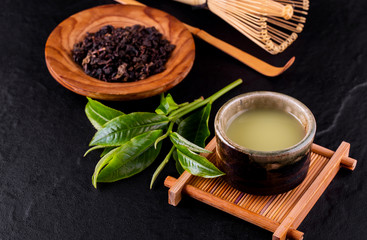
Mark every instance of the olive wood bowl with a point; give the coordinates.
(73, 30)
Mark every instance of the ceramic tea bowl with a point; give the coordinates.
(263, 172)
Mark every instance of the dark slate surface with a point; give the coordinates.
(45, 183)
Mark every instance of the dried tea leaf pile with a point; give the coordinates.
(123, 54)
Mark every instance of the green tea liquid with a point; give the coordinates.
(265, 130)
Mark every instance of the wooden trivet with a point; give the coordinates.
(280, 214)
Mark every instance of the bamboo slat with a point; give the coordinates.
(281, 213)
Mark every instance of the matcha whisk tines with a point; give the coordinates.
(271, 24)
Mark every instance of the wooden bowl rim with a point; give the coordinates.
(95, 88)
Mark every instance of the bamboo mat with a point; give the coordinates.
(281, 213)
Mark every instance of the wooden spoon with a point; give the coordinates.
(249, 60)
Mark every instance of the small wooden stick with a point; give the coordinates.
(346, 162)
(174, 193)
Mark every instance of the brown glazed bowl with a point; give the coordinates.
(263, 172)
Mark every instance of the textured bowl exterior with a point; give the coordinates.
(257, 172)
(72, 30)
(244, 173)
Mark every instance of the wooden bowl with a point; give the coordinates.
(73, 30)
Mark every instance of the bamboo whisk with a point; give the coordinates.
(271, 24)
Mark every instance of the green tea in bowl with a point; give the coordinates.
(265, 130)
(264, 142)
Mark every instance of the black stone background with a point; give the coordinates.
(45, 183)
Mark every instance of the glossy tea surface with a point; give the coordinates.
(265, 130)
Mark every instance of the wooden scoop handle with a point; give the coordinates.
(192, 2)
(247, 59)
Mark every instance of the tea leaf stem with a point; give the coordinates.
(169, 130)
(197, 104)
(161, 166)
(186, 106)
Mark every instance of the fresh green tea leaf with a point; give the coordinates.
(177, 139)
(101, 163)
(121, 129)
(106, 150)
(196, 164)
(167, 105)
(98, 114)
(179, 168)
(195, 127)
(131, 158)
(93, 148)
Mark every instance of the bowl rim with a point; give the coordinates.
(301, 145)
(68, 75)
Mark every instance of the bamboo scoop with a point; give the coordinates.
(271, 24)
(249, 60)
